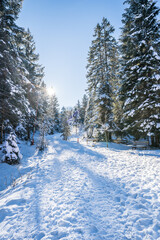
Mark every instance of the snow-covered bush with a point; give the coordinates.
(21, 131)
(7, 127)
(11, 150)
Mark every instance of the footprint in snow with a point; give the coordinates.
(71, 220)
(145, 222)
(64, 224)
(16, 202)
(39, 236)
(117, 199)
(93, 229)
(139, 206)
(78, 230)
(58, 235)
(4, 213)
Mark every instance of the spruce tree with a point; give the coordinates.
(33, 74)
(101, 73)
(11, 150)
(90, 115)
(20, 74)
(65, 127)
(83, 108)
(12, 100)
(140, 44)
(53, 112)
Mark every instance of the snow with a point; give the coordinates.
(158, 125)
(156, 86)
(77, 191)
(11, 150)
(131, 113)
(128, 101)
(1, 41)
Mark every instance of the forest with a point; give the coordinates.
(89, 171)
(123, 78)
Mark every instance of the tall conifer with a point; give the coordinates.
(140, 44)
(101, 74)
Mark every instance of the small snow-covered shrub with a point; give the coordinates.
(8, 127)
(11, 150)
(21, 131)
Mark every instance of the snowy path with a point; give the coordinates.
(80, 192)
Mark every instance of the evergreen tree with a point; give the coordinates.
(65, 127)
(33, 74)
(78, 109)
(11, 150)
(102, 73)
(53, 111)
(90, 115)
(83, 108)
(140, 44)
(12, 100)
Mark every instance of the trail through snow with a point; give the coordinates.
(74, 191)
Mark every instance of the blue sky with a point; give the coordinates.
(63, 31)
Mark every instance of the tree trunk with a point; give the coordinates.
(155, 141)
(1, 140)
(28, 133)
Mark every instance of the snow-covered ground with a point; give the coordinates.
(78, 191)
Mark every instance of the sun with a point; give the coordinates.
(50, 91)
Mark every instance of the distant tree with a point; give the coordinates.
(65, 127)
(90, 115)
(53, 112)
(44, 126)
(83, 108)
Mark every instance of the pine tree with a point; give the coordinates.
(102, 74)
(83, 108)
(43, 117)
(11, 150)
(22, 98)
(65, 127)
(90, 115)
(53, 112)
(140, 42)
(33, 74)
(12, 100)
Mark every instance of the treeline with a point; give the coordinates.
(25, 105)
(24, 102)
(124, 77)
(21, 75)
